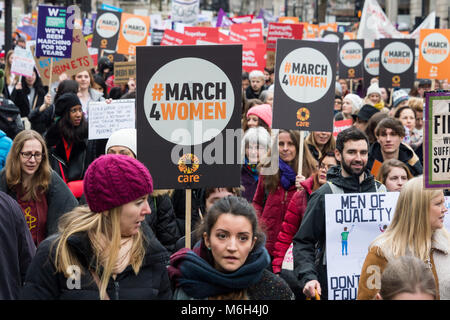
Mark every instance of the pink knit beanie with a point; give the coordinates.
(262, 111)
(113, 180)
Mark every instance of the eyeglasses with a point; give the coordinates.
(27, 155)
(325, 166)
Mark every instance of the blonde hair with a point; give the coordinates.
(416, 104)
(410, 230)
(328, 147)
(98, 226)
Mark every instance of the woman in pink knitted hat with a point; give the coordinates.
(105, 250)
(260, 116)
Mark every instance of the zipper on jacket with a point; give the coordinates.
(116, 290)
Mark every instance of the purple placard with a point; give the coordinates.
(54, 37)
(436, 138)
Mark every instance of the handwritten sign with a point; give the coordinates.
(123, 71)
(106, 118)
(23, 62)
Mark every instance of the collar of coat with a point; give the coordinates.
(441, 241)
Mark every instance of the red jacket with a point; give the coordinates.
(292, 220)
(271, 214)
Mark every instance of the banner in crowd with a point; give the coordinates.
(157, 36)
(189, 110)
(105, 118)
(282, 31)
(331, 36)
(253, 56)
(371, 64)
(133, 32)
(203, 33)
(352, 222)
(341, 125)
(81, 60)
(245, 32)
(23, 62)
(123, 71)
(434, 57)
(106, 30)
(173, 38)
(113, 56)
(304, 85)
(397, 63)
(54, 34)
(185, 11)
(350, 59)
(437, 140)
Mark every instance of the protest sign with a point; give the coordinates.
(173, 38)
(106, 31)
(253, 56)
(371, 65)
(437, 140)
(350, 59)
(54, 35)
(105, 118)
(188, 108)
(352, 222)
(123, 71)
(282, 31)
(133, 32)
(81, 60)
(203, 33)
(434, 57)
(246, 32)
(304, 85)
(23, 62)
(185, 11)
(397, 63)
(113, 56)
(341, 125)
(331, 36)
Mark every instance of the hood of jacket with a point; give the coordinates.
(351, 184)
(95, 95)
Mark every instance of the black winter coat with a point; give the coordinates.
(10, 121)
(43, 283)
(309, 262)
(20, 98)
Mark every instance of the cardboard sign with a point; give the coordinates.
(352, 222)
(341, 125)
(246, 32)
(371, 64)
(253, 56)
(173, 38)
(54, 37)
(133, 32)
(203, 33)
(23, 62)
(123, 71)
(434, 57)
(80, 61)
(397, 63)
(105, 118)
(106, 30)
(350, 59)
(304, 85)
(282, 31)
(188, 107)
(437, 140)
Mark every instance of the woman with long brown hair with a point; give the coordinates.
(29, 179)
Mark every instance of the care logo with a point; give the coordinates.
(107, 25)
(192, 95)
(435, 48)
(397, 57)
(188, 164)
(372, 62)
(305, 75)
(302, 116)
(351, 54)
(134, 30)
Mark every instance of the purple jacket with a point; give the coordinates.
(249, 184)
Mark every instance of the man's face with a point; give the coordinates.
(257, 83)
(389, 141)
(354, 157)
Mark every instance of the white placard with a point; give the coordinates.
(106, 118)
(23, 62)
(365, 216)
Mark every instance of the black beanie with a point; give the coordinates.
(65, 102)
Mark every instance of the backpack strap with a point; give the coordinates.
(335, 188)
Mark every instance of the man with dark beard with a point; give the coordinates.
(351, 176)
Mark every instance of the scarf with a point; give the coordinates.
(193, 271)
(287, 175)
(253, 169)
(123, 257)
(379, 105)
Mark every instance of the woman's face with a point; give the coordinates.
(437, 212)
(76, 115)
(326, 164)
(133, 214)
(255, 152)
(231, 240)
(269, 99)
(10, 59)
(408, 118)
(395, 179)
(97, 87)
(374, 98)
(347, 107)
(252, 121)
(321, 137)
(30, 157)
(218, 193)
(286, 147)
(83, 79)
(31, 80)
